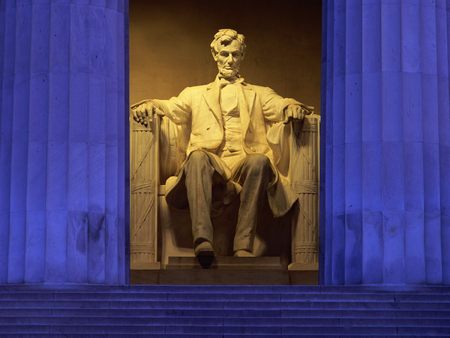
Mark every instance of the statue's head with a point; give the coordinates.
(228, 50)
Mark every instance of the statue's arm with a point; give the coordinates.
(177, 109)
(279, 109)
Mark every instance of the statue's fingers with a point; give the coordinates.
(304, 112)
(144, 114)
(296, 112)
(144, 109)
(136, 115)
(308, 109)
(290, 112)
(158, 111)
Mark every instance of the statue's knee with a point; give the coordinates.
(197, 158)
(258, 161)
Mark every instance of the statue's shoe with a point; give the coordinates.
(205, 254)
(243, 253)
(204, 249)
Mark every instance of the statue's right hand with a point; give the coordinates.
(143, 112)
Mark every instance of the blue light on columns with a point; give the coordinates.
(63, 150)
(385, 152)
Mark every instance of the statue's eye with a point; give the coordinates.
(225, 54)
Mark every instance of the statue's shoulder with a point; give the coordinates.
(259, 89)
(197, 89)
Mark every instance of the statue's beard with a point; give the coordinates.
(229, 72)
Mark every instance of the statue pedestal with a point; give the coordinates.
(224, 270)
(228, 263)
(303, 274)
(227, 270)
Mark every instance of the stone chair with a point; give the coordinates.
(159, 231)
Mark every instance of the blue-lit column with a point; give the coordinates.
(63, 149)
(386, 151)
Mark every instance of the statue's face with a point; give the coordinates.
(229, 59)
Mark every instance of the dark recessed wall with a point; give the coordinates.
(169, 45)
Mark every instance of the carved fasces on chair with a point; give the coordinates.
(304, 177)
(144, 159)
(142, 198)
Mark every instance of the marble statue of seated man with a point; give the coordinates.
(228, 149)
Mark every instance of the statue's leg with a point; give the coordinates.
(198, 179)
(254, 174)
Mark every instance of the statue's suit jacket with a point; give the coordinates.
(198, 109)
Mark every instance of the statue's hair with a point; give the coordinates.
(224, 37)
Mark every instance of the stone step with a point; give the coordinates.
(221, 296)
(226, 313)
(279, 289)
(59, 319)
(231, 304)
(271, 331)
(228, 335)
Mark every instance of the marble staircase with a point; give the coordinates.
(223, 311)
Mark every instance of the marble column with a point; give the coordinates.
(63, 149)
(385, 213)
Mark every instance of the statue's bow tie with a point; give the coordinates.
(224, 82)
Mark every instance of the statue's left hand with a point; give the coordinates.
(295, 113)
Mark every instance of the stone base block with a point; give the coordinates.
(225, 271)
